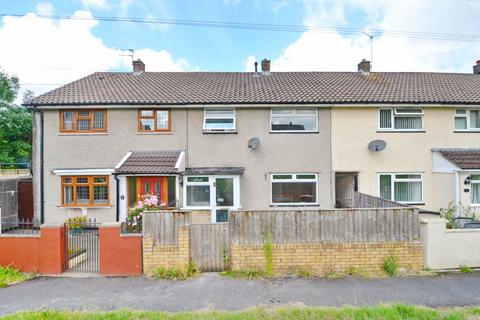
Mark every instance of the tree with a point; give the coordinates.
(15, 123)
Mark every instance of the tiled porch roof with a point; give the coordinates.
(464, 158)
(150, 162)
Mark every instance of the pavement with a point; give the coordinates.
(211, 291)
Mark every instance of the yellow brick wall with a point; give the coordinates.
(201, 216)
(322, 258)
(172, 256)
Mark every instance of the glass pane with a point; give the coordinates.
(305, 111)
(224, 194)
(67, 180)
(222, 215)
(386, 186)
(408, 191)
(147, 187)
(82, 180)
(460, 123)
(385, 119)
(99, 180)
(198, 196)
(294, 123)
(408, 176)
(282, 111)
(475, 119)
(157, 188)
(408, 123)
(100, 195)
(146, 113)
(282, 177)
(67, 119)
(306, 176)
(460, 111)
(83, 195)
(68, 194)
(171, 192)
(162, 120)
(476, 193)
(197, 179)
(83, 124)
(83, 113)
(475, 177)
(147, 124)
(219, 123)
(294, 192)
(98, 120)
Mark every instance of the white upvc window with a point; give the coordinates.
(219, 120)
(289, 189)
(475, 200)
(467, 119)
(294, 120)
(400, 119)
(401, 187)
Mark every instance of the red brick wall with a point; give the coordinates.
(43, 253)
(119, 254)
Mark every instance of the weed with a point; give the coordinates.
(390, 264)
(243, 274)
(352, 271)
(465, 269)
(303, 274)
(177, 273)
(268, 255)
(10, 275)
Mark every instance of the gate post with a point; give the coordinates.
(51, 249)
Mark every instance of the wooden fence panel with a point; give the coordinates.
(209, 246)
(314, 226)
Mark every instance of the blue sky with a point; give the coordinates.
(45, 53)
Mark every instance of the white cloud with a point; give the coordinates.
(123, 7)
(96, 4)
(67, 51)
(44, 8)
(337, 52)
(249, 63)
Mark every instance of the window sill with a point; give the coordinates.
(85, 207)
(413, 203)
(155, 133)
(466, 131)
(294, 132)
(83, 133)
(401, 131)
(220, 132)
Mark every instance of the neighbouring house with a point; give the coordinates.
(255, 140)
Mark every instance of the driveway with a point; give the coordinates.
(211, 291)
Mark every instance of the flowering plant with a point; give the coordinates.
(147, 202)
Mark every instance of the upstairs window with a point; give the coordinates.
(294, 120)
(401, 119)
(467, 120)
(294, 189)
(401, 187)
(219, 120)
(87, 191)
(154, 120)
(83, 121)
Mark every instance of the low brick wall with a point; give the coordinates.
(200, 216)
(321, 258)
(42, 253)
(167, 256)
(120, 254)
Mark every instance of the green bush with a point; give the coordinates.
(9, 275)
(390, 265)
(177, 273)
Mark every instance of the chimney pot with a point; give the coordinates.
(476, 68)
(266, 65)
(138, 66)
(256, 66)
(364, 66)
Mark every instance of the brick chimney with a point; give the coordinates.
(476, 68)
(364, 66)
(266, 65)
(138, 66)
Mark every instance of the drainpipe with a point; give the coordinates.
(117, 203)
(42, 187)
(457, 191)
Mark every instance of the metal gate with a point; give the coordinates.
(81, 245)
(209, 246)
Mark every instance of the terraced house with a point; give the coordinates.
(255, 140)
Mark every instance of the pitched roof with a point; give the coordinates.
(150, 162)
(164, 88)
(465, 159)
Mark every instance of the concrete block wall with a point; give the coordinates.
(321, 258)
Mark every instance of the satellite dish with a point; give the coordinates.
(254, 143)
(377, 145)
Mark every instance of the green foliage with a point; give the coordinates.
(243, 274)
(268, 248)
(77, 223)
(352, 271)
(225, 255)
(303, 274)
(465, 269)
(390, 264)
(9, 86)
(460, 210)
(10, 275)
(177, 273)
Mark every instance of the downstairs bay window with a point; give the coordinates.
(86, 191)
(401, 187)
(294, 189)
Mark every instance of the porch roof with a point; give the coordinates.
(150, 162)
(463, 158)
(214, 170)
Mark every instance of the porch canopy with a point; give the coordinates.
(463, 158)
(151, 162)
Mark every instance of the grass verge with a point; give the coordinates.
(10, 275)
(381, 312)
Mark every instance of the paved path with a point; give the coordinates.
(212, 291)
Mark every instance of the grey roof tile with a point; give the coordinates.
(150, 162)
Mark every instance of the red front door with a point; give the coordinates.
(152, 186)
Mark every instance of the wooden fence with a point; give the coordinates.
(315, 226)
(163, 226)
(362, 200)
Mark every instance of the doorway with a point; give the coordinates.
(346, 184)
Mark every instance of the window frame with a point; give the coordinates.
(467, 117)
(294, 179)
(393, 179)
(293, 115)
(154, 117)
(91, 117)
(91, 184)
(472, 182)
(219, 130)
(393, 113)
